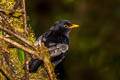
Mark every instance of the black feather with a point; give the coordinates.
(34, 65)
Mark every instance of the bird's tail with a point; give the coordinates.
(34, 65)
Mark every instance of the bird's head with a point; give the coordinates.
(63, 26)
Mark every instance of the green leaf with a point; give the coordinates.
(0, 32)
(20, 55)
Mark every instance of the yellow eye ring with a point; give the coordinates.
(65, 25)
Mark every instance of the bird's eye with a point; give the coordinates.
(65, 25)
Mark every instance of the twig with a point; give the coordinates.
(47, 63)
(18, 45)
(43, 52)
(6, 54)
(4, 74)
(7, 51)
(10, 64)
(11, 12)
(49, 68)
(17, 4)
(25, 31)
(24, 17)
(26, 67)
(17, 36)
(5, 21)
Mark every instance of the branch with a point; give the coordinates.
(17, 4)
(18, 45)
(25, 31)
(17, 36)
(24, 17)
(11, 12)
(47, 63)
(6, 55)
(4, 74)
(8, 61)
(41, 53)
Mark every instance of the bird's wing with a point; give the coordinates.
(42, 38)
(38, 41)
(58, 49)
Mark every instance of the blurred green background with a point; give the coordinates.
(94, 47)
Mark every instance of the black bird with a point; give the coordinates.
(57, 42)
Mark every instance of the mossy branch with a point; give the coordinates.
(44, 55)
(16, 35)
(17, 45)
(48, 65)
(40, 52)
(26, 34)
(4, 74)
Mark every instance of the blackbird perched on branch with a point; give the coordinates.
(57, 42)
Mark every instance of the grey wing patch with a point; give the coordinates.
(58, 49)
(62, 47)
(52, 48)
(52, 44)
(38, 41)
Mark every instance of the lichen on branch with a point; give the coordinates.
(16, 34)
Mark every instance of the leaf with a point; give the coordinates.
(20, 55)
(0, 32)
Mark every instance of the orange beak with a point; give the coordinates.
(74, 26)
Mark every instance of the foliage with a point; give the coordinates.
(20, 54)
